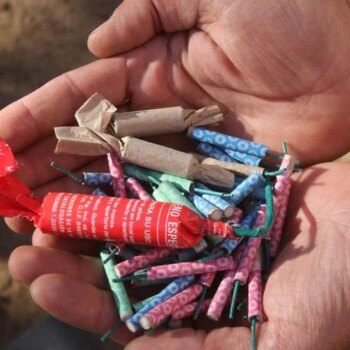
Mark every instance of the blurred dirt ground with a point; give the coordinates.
(39, 39)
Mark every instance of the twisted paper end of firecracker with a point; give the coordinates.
(16, 199)
(8, 162)
(209, 115)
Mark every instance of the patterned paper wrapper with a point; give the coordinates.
(255, 292)
(227, 208)
(258, 193)
(288, 163)
(207, 279)
(228, 142)
(214, 152)
(189, 310)
(247, 261)
(244, 158)
(137, 190)
(221, 296)
(116, 170)
(228, 245)
(236, 217)
(205, 207)
(138, 262)
(190, 268)
(249, 220)
(98, 192)
(169, 291)
(245, 188)
(162, 311)
(282, 191)
(140, 304)
(223, 293)
(97, 179)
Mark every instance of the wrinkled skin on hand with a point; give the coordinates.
(280, 68)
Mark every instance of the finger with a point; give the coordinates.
(176, 339)
(327, 180)
(35, 163)
(28, 263)
(19, 225)
(237, 338)
(34, 116)
(66, 184)
(72, 245)
(78, 303)
(135, 22)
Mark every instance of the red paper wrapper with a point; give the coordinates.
(128, 220)
(8, 163)
(116, 170)
(15, 198)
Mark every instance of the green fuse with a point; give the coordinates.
(118, 289)
(157, 177)
(175, 196)
(136, 172)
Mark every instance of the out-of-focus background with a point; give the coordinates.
(39, 39)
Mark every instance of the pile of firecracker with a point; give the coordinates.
(195, 226)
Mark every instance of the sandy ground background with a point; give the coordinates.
(39, 39)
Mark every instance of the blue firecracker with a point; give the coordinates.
(203, 206)
(169, 291)
(249, 219)
(229, 245)
(244, 158)
(98, 192)
(228, 142)
(258, 193)
(214, 152)
(218, 201)
(245, 188)
(97, 179)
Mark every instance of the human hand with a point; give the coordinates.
(306, 298)
(303, 101)
(281, 68)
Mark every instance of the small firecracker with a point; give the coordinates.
(193, 225)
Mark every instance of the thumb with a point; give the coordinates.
(237, 338)
(135, 22)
